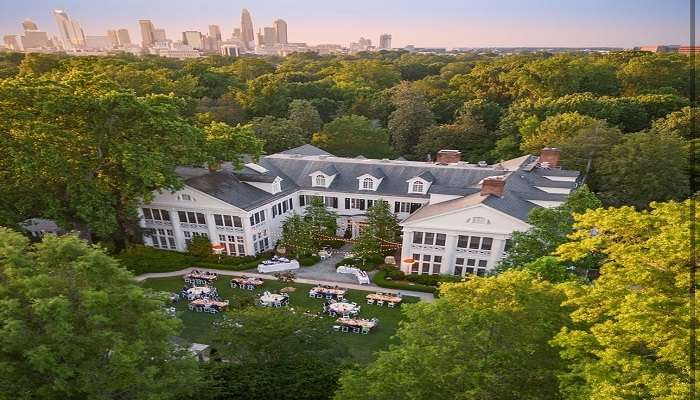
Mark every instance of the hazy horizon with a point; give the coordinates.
(446, 23)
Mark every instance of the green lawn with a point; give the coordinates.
(197, 326)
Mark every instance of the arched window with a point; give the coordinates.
(368, 184)
(320, 180)
(417, 187)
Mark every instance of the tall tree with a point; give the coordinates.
(467, 135)
(485, 338)
(278, 133)
(305, 116)
(351, 136)
(380, 231)
(322, 221)
(631, 338)
(297, 236)
(550, 228)
(75, 325)
(644, 167)
(273, 354)
(555, 130)
(410, 120)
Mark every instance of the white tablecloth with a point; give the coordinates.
(341, 307)
(294, 264)
(270, 298)
(361, 275)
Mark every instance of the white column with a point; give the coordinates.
(406, 249)
(248, 235)
(496, 250)
(211, 227)
(177, 230)
(448, 257)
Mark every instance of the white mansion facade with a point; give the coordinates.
(456, 217)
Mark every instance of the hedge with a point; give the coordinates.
(309, 260)
(141, 259)
(380, 280)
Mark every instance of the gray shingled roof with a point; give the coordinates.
(294, 167)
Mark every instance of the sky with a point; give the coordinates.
(426, 23)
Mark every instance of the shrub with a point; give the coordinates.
(333, 243)
(308, 260)
(141, 259)
(380, 280)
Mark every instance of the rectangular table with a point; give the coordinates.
(294, 264)
(385, 297)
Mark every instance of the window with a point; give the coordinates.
(276, 187)
(163, 239)
(426, 264)
(235, 245)
(470, 266)
(368, 184)
(509, 245)
(357, 204)
(429, 238)
(320, 180)
(417, 187)
(257, 218)
(478, 220)
(459, 267)
(186, 197)
(156, 214)
(261, 242)
(192, 217)
(406, 207)
(189, 235)
(228, 220)
(475, 242)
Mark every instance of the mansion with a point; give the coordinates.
(457, 217)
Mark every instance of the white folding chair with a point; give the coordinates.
(336, 328)
(391, 304)
(370, 301)
(356, 330)
(346, 329)
(365, 330)
(380, 303)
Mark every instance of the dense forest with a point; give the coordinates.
(84, 140)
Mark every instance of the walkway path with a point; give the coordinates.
(354, 286)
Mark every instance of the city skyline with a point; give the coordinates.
(531, 23)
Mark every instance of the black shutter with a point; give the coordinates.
(301, 201)
(396, 206)
(414, 207)
(335, 202)
(347, 203)
(362, 204)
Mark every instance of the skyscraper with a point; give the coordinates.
(112, 34)
(281, 29)
(159, 35)
(385, 41)
(147, 34)
(247, 32)
(215, 32)
(269, 35)
(194, 39)
(29, 25)
(123, 37)
(71, 33)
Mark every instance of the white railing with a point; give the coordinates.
(187, 225)
(474, 252)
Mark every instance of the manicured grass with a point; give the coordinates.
(197, 326)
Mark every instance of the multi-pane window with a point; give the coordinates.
(305, 200)
(228, 220)
(156, 214)
(281, 208)
(406, 207)
(470, 266)
(355, 204)
(235, 245)
(186, 197)
(192, 217)
(257, 218)
(368, 184)
(426, 264)
(163, 239)
(429, 238)
(320, 180)
(509, 245)
(417, 187)
(474, 242)
(261, 242)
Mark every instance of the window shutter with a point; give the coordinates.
(301, 201)
(335, 202)
(362, 204)
(396, 206)
(347, 203)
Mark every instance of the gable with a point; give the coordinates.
(478, 218)
(198, 200)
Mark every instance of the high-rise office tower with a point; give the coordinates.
(29, 25)
(236, 33)
(269, 35)
(11, 42)
(247, 32)
(385, 41)
(215, 32)
(261, 36)
(112, 34)
(123, 37)
(147, 34)
(281, 29)
(159, 35)
(71, 33)
(194, 39)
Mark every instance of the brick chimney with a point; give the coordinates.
(493, 185)
(550, 156)
(448, 156)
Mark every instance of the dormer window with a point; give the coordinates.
(368, 184)
(320, 180)
(417, 187)
(277, 186)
